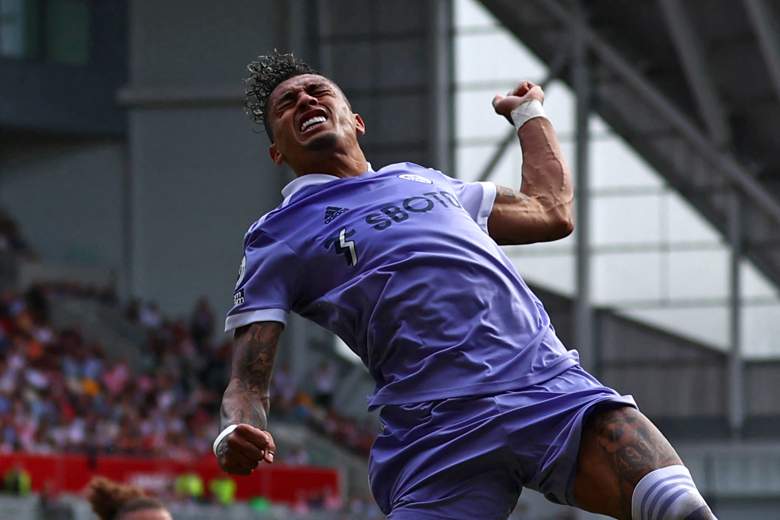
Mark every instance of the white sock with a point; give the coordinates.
(668, 494)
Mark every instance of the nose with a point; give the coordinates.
(305, 99)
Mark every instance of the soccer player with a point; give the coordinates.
(478, 396)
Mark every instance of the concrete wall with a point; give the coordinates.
(67, 199)
(199, 171)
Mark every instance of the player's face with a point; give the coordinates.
(309, 114)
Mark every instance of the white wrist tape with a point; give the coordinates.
(528, 110)
(224, 433)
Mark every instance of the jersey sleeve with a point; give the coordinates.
(266, 284)
(477, 199)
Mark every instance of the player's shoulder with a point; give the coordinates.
(260, 227)
(255, 226)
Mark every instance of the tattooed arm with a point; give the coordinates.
(540, 211)
(245, 402)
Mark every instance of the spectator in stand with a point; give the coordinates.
(223, 490)
(10, 237)
(283, 389)
(36, 303)
(324, 384)
(149, 316)
(202, 323)
(133, 311)
(17, 481)
(332, 500)
(189, 487)
(116, 377)
(215, 371)
(114, 501)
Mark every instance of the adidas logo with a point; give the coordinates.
(331, 212)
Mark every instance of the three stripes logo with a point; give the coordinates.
(343, 246)
(331, 212)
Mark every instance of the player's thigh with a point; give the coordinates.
(619, 446)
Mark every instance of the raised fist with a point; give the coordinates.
(526, 91)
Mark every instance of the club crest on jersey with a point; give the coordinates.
(342, 245)
(415, 178)
(238, 297)
(331, 212)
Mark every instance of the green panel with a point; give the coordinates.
(32, 29)
(67, 31)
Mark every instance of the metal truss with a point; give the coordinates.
(697, 71)
(766, 27)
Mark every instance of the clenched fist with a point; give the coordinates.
(242, 450)
(526, 91)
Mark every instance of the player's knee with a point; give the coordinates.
(668, 494)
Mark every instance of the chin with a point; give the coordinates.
(322, 141)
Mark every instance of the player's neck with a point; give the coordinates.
(339, 164)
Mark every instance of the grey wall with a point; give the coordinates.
(67, 199)
(200, 174)
(383, 57)
(199, 179)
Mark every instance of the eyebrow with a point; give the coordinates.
(290, 93)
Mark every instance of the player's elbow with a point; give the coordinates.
(560, 223)
(560, 227)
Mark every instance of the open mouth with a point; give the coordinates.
(312, 122)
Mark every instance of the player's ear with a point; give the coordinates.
(360, 125)
(276, 155)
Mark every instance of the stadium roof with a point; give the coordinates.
(693, 86)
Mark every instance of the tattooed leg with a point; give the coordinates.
(619, 446)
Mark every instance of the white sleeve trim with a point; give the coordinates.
(245, 318)
(486, 206)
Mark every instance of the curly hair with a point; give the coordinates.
(110, 500)
(264, 75)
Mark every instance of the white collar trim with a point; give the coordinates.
(310, 179)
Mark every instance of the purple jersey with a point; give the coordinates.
(398, 263)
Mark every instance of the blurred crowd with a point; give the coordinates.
(61, 393)
(315, 408)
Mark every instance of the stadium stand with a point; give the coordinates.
(66, 394)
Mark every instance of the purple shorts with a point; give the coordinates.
(469, 457)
